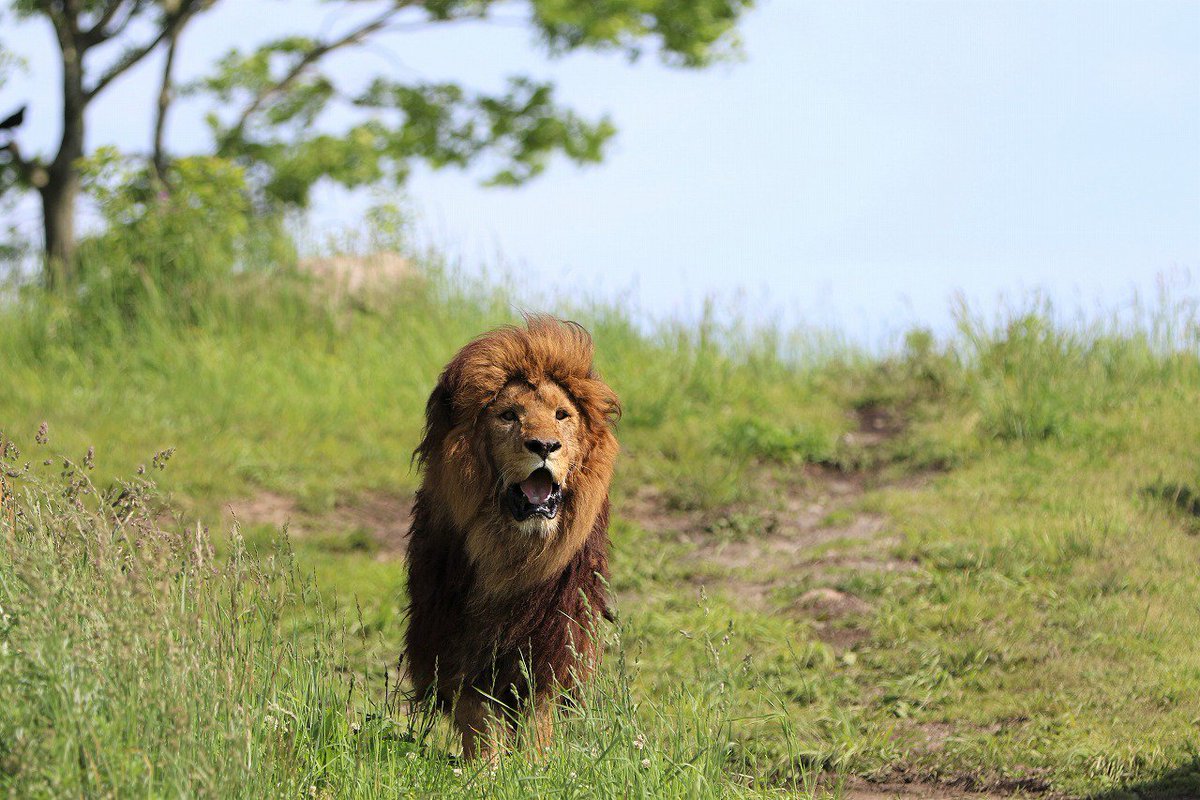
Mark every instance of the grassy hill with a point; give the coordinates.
(963, 566)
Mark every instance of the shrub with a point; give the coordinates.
(169, 247)
(1028, 379)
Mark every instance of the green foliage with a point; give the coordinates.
(761, 438)
(1181, 497)
(271, 109)
(9, 63)
(929, 369)
(1033, 379)
(166, 247)
(284, 93)
(1028, 380)
(691, 34)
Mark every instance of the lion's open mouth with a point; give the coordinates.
(538, 494)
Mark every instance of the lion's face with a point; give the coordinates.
(533, 438)
(519, 450)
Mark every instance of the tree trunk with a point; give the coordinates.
(58, 224)
(62, 181)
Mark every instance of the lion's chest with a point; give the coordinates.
(461, 634)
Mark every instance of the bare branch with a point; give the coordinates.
(318, 52)
(126, 61)
(100, 32)
(106, 16)
(120, 27)
(165, 96)
(171, 28)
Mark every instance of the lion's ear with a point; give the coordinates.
(602, 404)
(439, 411)
(612, 406)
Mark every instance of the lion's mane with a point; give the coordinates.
(489, 609)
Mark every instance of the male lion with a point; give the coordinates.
(508, 554)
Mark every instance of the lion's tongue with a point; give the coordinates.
(537, 487)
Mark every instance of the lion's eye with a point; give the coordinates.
(561, 414)
(508, 415)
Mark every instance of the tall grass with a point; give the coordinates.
(138, 664)
(1033, 376)
(135, 661)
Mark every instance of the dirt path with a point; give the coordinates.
(861, 790)
(813, 532)
(817, 530)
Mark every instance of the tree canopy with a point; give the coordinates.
(280, 116)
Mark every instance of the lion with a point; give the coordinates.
(508, 549)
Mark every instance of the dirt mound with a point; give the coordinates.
(826, 603)
(356, 275)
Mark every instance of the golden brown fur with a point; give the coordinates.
(501, 605)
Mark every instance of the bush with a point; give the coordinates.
(169, 247)
(1028, 383)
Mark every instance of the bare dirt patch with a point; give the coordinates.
(386, 517)
(815, 533)
(648, 508)
(876, 425)
(901, 786)
(383, 516)
(857, 789)
(356, 275)
(827, 603)
(264, 508)
(790, 542)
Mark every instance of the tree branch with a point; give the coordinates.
(99, 32)
(96, 31)
(165, 96)
(171, 28)
(311, 57)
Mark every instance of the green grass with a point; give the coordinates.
(273, 391)
(138, 662)
(1035, 626)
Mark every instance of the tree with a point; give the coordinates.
(267, 102)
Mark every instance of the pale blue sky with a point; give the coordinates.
(864, 161)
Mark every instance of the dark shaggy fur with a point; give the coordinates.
(547, 629)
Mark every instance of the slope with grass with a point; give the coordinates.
(967, 566)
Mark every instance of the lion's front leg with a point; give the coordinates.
(484, 735)
(543, 725)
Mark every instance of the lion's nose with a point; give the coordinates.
(542, 447)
